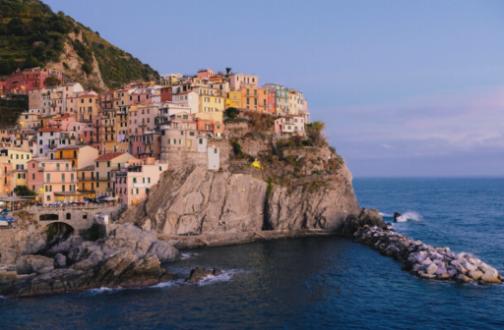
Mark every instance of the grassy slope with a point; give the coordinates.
(32, 35)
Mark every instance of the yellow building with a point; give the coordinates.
(29, 119)
(88, 107)
(80, 156)
(234, 99)
(105, 165)
(211, 105)
(18, 160)
(86, 181)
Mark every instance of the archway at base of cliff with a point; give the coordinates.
(58, 232)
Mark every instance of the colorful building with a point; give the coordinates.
(79, 156)
(132, 184)
(239, 80)
(106, 165)
(59, 181)
(86, 181)
(21, 82)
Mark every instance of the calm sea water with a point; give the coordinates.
(316, 282)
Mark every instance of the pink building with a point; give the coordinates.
(205, 74)
(34, 176)
(29, 79)
(142, 119)
(132, 184)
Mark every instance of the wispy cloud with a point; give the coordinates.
(423, 126)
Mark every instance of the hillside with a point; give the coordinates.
(31, 35)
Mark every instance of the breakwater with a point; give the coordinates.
(424, 260)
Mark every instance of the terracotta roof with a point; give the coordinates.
(49, 129)
(87, 168)
(69, 148)
(109, 156)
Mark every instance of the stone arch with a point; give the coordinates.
(58, 232)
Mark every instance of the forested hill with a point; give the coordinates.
(31, 35)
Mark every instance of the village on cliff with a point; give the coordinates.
(75, 147)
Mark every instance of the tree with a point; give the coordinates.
(23, 191)
(314, 132)
(231, 113)
(51, 82)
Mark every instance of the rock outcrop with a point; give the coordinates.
(421, 259)
(195, 202)
(128, 257)
(197, 274)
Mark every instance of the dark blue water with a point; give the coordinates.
(317, 282)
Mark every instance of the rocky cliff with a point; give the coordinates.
(296, 191)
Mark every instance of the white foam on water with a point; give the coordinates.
(409, 215)
(167, 284)
(187, 255)
(224, 276)
(102, 290)
(386, 215)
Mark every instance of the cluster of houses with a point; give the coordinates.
(72, 144)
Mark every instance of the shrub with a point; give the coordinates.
(314, 132)
(231, 114)
(237, 149)
(52, 82)
(23, 191)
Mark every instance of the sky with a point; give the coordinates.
(406, 88)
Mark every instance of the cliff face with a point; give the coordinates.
(194, 202)
(301, 186)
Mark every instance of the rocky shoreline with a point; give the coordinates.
(130, 257)
(127, 257)
(423, 260)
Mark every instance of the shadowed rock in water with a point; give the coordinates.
(197, 274)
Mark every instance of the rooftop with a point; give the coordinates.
(109, 156)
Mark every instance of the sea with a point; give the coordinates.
(313, 283)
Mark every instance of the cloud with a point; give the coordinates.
(425, 126)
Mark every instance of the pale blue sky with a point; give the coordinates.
(406, 88)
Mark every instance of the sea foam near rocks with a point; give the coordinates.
(409, 215)
(102, 290)
(223, 276)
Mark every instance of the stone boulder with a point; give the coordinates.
(199, 273)
(29, 264)
(60, 260)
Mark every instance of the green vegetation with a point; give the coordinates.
(10, 108)
(231, 114)
(32, 35)
(93, 233)
(52, 82)
(314, 133)
(237, 149)
(24, 191)
(118, 67)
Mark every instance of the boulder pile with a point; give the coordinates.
(127, 257)
(425, 260)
